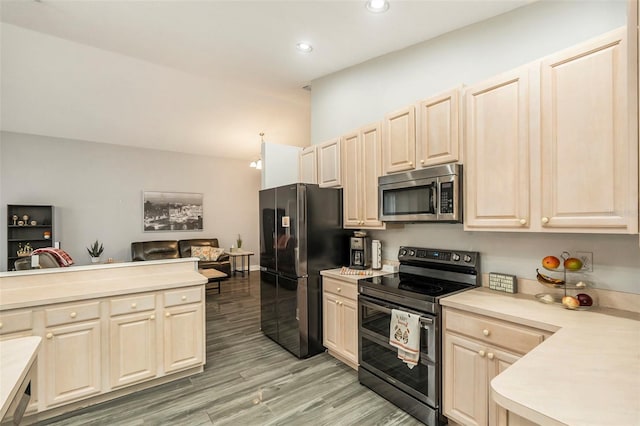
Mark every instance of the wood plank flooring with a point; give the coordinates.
(248, 380)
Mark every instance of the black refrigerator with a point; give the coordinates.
(300, 235)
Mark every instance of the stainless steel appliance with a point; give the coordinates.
(300, 234)
(432, 194)
(425, 275)
(359, 252)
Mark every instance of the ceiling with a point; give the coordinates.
(231, 66)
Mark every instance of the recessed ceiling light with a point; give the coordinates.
(377, 6)
(304, 47)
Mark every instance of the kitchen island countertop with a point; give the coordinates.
(587, 373)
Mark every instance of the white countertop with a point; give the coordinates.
(16, 358)
(587, 373)
(367, 273)
(22, 289)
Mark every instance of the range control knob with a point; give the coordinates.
(467, 258)
(412, 252)
(403, 252)
(455, 257)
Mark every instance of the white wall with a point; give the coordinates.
(362, 94)
(279, 165)
(97, 192)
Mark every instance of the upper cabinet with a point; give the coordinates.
(554, 133)
(329, 166)
(308, 170)
(439, 129)
(589, 165)
(496, 174)
(399, 140)
(361, 153)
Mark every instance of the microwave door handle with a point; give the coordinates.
(434, 198)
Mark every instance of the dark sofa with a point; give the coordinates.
(172, 249)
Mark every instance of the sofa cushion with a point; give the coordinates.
(154, 250)
(185, 246)
(216, 253)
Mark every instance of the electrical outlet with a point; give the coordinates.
(587, 260)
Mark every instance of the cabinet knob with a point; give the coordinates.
(339, 289)
(49, 335)
(73, 315)
(184, 298)
(523, 221)
(168, 314)
(152, 317)
(340, 303)
(490, 355)
(486, 332)
(421, 161)
(337, 302)
(134, 305)
(545, 220)
(481, 353)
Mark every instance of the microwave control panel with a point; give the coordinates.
(446, 197)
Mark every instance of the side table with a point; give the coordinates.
(234, 255)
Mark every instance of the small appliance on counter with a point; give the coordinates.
(376, 255)
(360, 251)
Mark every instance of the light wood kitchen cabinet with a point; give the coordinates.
(329, 165)
(72, 360)
(14, 324)
(399, 140)
(184, 344)
(496, 175)
(308, 165)
(475, 350)
(589, 165)
(362, 156)
(439, 129)
(132, 340)
(554, 132)
(340, 319)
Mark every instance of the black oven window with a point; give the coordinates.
(408, 201)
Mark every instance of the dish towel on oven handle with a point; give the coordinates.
(404, 334)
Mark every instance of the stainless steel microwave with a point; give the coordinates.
(432, 194)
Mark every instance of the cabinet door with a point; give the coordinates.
(465, 381)
(399, 141)
(349, 329)
(498, 361)
(589, 166)
(497, 152)
(183, 337)
(331, 321)
(308, 170)
(133, 348)
(352, 181)
(371, 169)
(73, 359)
(439, 129)
(329, 167)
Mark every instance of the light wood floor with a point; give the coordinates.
(248, 380)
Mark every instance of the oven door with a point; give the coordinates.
(409, 201)
(380, 358)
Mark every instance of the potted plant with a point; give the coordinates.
(95, 250)
(239, 242)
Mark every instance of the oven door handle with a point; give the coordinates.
(386, 310)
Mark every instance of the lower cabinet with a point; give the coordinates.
(340, 320)
(73, 357)
(133, 348)
(475, 350)
(183, 341)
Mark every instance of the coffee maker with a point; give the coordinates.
(360, 253)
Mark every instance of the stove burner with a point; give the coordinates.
(420, 288)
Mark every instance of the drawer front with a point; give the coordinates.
(11, 322)
(516, 338)
(182, 296)
(72, 313)
(340, 288)
(132, 304)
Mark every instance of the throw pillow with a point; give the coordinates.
(216, 252)
(201, 252)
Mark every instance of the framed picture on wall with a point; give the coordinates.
(172, 211)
